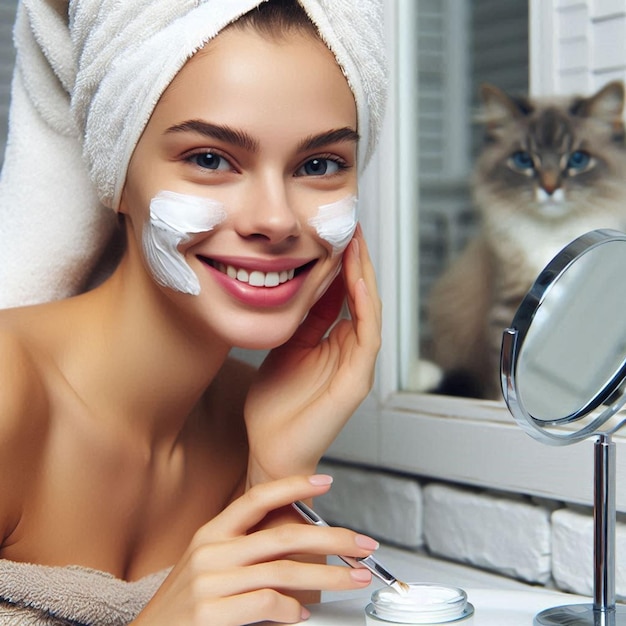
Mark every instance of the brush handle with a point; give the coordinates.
(368, 562)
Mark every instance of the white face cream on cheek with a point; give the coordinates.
(174, 217)
(335, 223)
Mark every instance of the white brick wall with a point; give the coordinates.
(491, 531)
(572, 552)
(529, 539)
(386, 506)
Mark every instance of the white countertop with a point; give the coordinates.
(418, 567)
(492, 607)
(497, 600)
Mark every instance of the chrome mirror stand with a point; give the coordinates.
(603, 611)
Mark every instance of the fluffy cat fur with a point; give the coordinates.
(550, 170)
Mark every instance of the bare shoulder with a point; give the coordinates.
(23, 417)
(20, 381)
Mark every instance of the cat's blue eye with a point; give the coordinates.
(578, 160)
(318, 167)
(522, 160)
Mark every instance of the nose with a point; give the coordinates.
(550, 181)
(267, 213)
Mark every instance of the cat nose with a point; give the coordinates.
(550, 181)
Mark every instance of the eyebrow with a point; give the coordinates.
(243, 140)
(217, 131)
(314, 142)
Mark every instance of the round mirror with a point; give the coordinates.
(564, 357)
(563, 371)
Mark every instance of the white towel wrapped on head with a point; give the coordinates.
(52, 227)
(88, 76)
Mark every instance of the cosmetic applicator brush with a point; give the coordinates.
(368, 562)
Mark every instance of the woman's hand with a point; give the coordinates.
(231, 575)
(307, 389)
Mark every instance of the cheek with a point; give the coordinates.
(174, 217)
(335, 223)
(328, 281)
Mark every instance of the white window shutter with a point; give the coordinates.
(7, 59)
(461, 44)
(576, 45)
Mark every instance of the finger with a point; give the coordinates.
(366, 261)
(352, 273)
(282, 575)
(259, 605)
(254, 505)
(280, 542)
(368, 273)
(365, 307)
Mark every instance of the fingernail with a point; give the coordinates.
(361, 575)
(367, 543)
(320, 479)
(305, 614)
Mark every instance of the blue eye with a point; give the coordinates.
(209, 161)
(578, 160)
(318, 167)
(522, 160)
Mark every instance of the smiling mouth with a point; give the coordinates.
(257, 278)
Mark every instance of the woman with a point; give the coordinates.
(129, 441)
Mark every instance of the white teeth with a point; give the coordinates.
(271, 279)
(256, 278)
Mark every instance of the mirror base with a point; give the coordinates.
(581, 615)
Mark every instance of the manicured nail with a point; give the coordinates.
(361, 575)
(320, 479)
(305, 614)
(367, 543)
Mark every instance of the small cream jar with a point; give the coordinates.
(425, 603)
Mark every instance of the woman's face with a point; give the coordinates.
(251, 138)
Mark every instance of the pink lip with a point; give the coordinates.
(261, 297)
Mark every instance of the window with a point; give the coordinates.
(458, 439)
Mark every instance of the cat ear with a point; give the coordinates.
(607, 104)
(499, 108)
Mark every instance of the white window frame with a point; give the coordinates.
(454, 439)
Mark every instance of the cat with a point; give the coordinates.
(550, 170)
